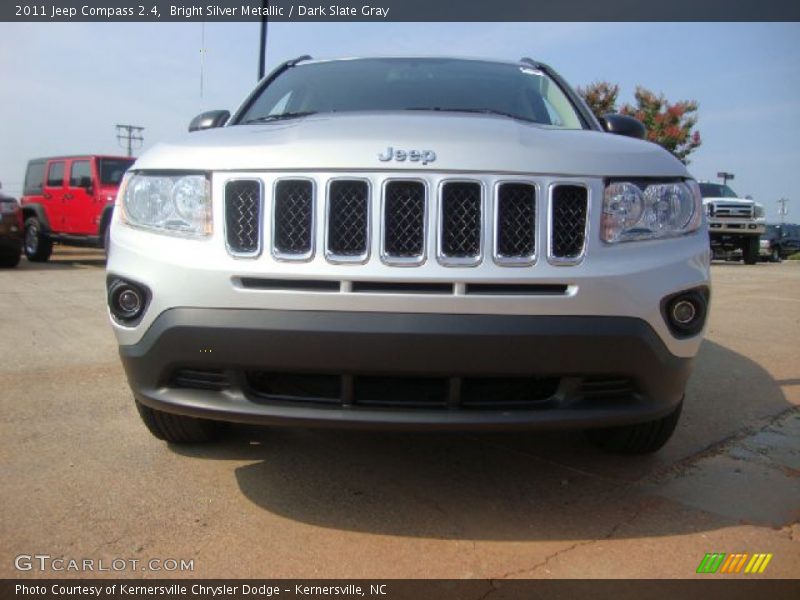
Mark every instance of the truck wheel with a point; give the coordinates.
(640, 438)
(750, 251)
(775, 255)
(177, 429)
(37, 247)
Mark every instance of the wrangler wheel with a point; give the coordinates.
(37, 247)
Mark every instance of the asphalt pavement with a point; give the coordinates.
(83, 479)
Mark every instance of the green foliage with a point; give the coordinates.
(672, 125)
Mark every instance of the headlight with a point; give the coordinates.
(650, 211)
(178, 203)
(759, 211)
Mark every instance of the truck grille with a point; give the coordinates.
(568, 222)
(293, 218)
(731, 211)
(243, 216)
(457, 219)
(348, 219)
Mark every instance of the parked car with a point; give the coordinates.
(69, 200)
(10, 231)
(410, 243)
(735, 224)
(780, 241)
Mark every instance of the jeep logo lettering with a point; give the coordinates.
(423, 156)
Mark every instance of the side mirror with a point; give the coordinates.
(209, 120)
(623, 125)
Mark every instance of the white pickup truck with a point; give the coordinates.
(734, 224)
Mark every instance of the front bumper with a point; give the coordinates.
(589, 371)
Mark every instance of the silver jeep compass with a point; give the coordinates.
(410, 243)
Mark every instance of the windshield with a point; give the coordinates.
(112, 169)
(393, 84)
(716, 190)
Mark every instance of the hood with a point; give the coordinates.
(353, 141)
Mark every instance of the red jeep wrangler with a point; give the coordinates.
(69, 199)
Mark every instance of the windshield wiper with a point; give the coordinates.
(485, 111)
(279, 117)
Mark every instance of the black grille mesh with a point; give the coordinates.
(293, 216)
(461, 219)
(347, 217)
(516, 220)
(404, 219)
(242, 215)
(569, 221)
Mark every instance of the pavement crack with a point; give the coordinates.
(547, 559)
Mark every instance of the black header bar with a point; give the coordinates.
(398, 10)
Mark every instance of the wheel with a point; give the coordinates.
(37, 247)
(10, 260)
(750, 251)
(177, 429)
(775, 255)
(640, 438)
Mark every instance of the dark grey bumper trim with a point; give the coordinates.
(402, 344)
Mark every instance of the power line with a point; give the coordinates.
(131, 135)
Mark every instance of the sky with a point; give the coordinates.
(64, 86)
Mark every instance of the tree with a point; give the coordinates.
(669, 124)
(601, 97)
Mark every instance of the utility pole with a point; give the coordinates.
(130, 134)
(725, 177)
(262, 46)
(783, 211)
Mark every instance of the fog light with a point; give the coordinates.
(130, 301)
(685, 312)
(126, 300)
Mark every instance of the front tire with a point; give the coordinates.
(9, 261)
(177, 429)
(640, 438)
(37, 247)
(750, 251)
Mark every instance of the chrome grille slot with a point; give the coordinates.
(461, 215)
(293, 219)
(515, 223)
(568, 211)
(243, 217)
(404, 216)
(348, 220)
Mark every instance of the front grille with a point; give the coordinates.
(293, 216)
(348, 218)
(404, 219)
(568, 222)
(516, 221)
(461, 220)
(456, 224)
(243, 216)
(733, 211)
